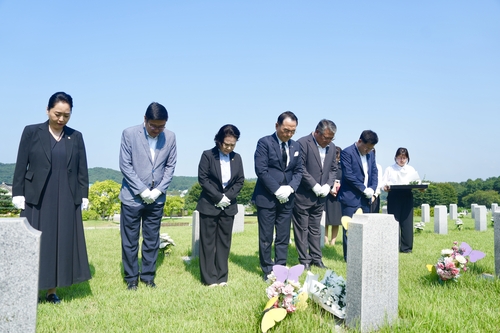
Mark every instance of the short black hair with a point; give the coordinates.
(226, 130)
(287, 114)
(60, 97)
(369, 136)
(404, 152)
(156, 111)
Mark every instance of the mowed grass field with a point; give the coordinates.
(181, 303)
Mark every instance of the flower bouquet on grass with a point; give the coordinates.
(419, 227)
(453, 261)
(284, 293)
(166, 243)
(329, 293)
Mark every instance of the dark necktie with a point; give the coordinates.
(283, 153)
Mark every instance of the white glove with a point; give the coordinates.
(325, 189)
(317, 189)
(368, 192)
(283, 192)
(146, 196)
(85, 203)
(154, 194)
(18, 201)
(224, 202)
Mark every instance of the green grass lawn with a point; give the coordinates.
(182, 304)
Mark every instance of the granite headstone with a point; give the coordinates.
(372, 271)
(19, 267)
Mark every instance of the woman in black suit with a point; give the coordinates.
(220, 174)
(333, 210)
(50, 186)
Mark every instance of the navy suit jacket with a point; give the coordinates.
(272, 173)
(210, 179)
(313, 172)
(353, 176)
(33, 163)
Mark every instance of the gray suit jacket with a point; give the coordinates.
(139, 170)
(313, 173)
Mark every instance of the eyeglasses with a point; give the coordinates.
(156, 128)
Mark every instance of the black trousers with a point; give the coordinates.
(400, 204)
(131, 218)
(215, 243)
(307, 232)
(276, 219)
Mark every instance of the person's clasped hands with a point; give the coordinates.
(321, 191)
(368, 192)
(283, 192)
(224, 202)
(150, 196)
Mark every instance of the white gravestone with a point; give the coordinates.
(322, 227)
(19, 267)
(195, 236)
(239, 220)
(480, 217)
(496, 218)
(472, 208)
(426, 213)
(372, 271)
(453, 212)
(494, 207)
(440, 220)
(384, 209)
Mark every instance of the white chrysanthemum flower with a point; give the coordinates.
(446, 252)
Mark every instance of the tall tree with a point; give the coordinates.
(103, 198)
(173, 204)
(191, 198)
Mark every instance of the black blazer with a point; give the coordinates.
(210, 179)
(33, 163)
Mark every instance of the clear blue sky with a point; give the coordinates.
(424, 75)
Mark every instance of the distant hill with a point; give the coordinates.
(179, 183)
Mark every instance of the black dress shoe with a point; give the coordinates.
(307, 267)
(319, 264)
(132, 285)
(150, 283)
(52, 298)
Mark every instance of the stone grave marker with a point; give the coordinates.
(426, 213)
(480, 217)
(19, 267)
(494, 207)
(496, 218)
(239, 220)
(472, 209)
(323, 228)
(440, 220)
(453, 212)
(372, 271)
(195, 235)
